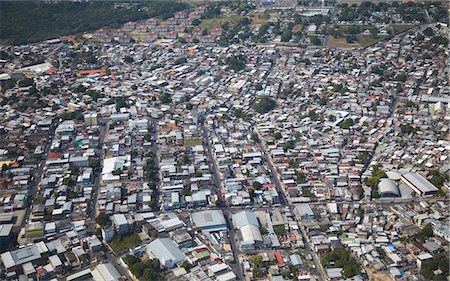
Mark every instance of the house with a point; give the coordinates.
(151, 36)
(216, 31)
(142, 28)
(162, 28)
(151, 22)
(129, 26)
(120, 223)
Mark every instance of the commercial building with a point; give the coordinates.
(419, 184)
(247, 223)
(166, 252)
(388, 188)
(209, 221)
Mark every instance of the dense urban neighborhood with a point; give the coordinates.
(261, 140)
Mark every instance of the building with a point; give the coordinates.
(209, 220)
(419, 184)
(443, 231)
(14, 259)
(120, 223)
(388, 188)
(166, 252)
(304, 211)
(102, 272)
(248, 225)
(5, 234)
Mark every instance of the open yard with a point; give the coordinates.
(367, 40)
(340, 43)
(397, 28)
(125, 242)
(218, 22)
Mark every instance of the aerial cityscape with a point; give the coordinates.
(224, 140)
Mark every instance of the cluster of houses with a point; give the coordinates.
(213, 155)
(182, 25)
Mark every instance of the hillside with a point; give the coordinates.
(33, 21)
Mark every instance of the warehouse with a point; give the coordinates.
(419, 184)
(209, 220)
(166, 252)
(387, 188)
(247, 223)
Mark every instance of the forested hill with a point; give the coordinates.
(23, 22)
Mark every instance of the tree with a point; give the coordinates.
(315, 40)
(257, 272)
(256, 260)
(128, 59)
(301, 178)
(254, 137)
(103, 220)
(437, 179)
(346, 124)
(257, 185)
(251, 192)
(342, 258)
(180, 61)
(278, 135)
(430, 266)
(58, 18)
(237, 63)
(219, 202)
(187, 265)
(264, 104)
(425, 233)
(165, 98)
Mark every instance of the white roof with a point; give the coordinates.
(251, 232)
(419, 182)
(165, 250)
(208, 218)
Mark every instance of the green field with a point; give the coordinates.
(119, 244)
(193, 142)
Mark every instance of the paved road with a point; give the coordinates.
(38, 173)
(285, 202)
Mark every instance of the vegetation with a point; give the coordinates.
(125, 242)
(407, 129)
(144, 271)
(180, 61)
(26, 22)
(430, 266)
(425, 233)
(342, 258)
(280, 230)
(346, 124)
(374, 180)
(74, 115)
(237, 63)
(103, 220)
(186, 265)
(437, 178)
(301, 178)
(264, 104)
(254, 137)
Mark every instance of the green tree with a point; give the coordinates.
(264, 104)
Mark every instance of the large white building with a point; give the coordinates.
(166, 251)
(419, 184)
(248, 225)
